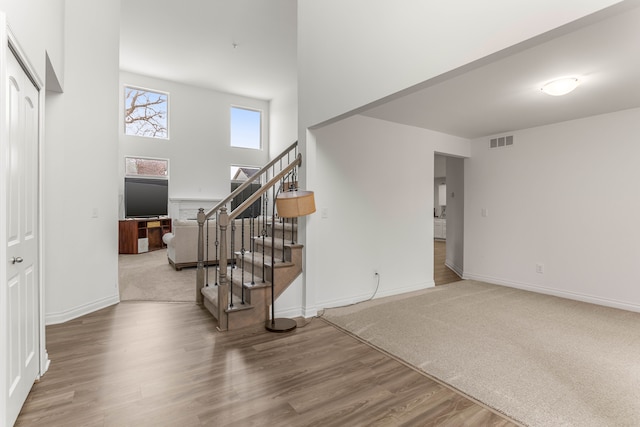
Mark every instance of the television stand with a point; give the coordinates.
(141, 235)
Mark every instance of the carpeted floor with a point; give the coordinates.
(542, 360)
(149, 277)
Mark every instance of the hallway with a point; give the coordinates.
(441, 273)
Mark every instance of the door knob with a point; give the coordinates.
(16, 260)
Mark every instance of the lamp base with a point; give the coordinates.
(280, 325)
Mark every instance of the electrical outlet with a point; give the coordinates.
(540, 268)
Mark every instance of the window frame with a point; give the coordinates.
(260, 130)
(167, 111)
(127, 174)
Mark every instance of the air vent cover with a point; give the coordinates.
(502, 141)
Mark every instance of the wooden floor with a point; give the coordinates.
(164, 364)
(441, 273)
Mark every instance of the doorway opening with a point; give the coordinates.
(448, 219)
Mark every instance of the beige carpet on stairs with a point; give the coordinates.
(542, 360)
(149, 277)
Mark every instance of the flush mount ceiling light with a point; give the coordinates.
(561, 86)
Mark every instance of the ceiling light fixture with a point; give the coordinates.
(561, 86)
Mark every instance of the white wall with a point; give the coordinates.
(436, 195)
(353, 53)
(38, 26)
(440, 170)
(283, 112)
(564, 196)
(455, 214)
(375, 209)
(80, 161)
(284, 132)
(440, 177)
(198, 149)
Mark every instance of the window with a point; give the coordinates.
(242, 173)
(139, 166)
(246, 128)
(146, 113)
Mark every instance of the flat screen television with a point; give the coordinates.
(254, 210)
(146, 197)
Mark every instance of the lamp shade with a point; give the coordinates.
(292, 204)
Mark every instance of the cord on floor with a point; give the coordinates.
(321, 313)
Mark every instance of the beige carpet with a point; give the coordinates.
(542, 360)
(149, 277)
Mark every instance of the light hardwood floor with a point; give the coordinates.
(164, 364)
(441, 273)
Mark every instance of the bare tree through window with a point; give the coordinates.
(139, 166)
(146, 113)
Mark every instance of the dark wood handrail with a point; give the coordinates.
(246, 184)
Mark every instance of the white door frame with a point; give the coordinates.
(8, 39)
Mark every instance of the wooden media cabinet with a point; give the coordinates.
(140, 235)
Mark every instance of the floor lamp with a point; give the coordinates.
(290, 204)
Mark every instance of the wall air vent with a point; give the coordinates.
(501, 142)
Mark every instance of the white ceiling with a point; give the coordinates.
(191, 41)
(504, 94)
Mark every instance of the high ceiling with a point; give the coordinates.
(248, 47)
(503, 94)
(245, 47)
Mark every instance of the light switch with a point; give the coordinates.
(325, 213)
(485, 212)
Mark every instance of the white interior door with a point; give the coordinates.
(22, 283)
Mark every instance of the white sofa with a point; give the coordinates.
(182, 242)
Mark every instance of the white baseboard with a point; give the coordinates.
(308, 312)
(65, 316)
(288, 312)
(455, 268)
(406, 289)
(380, 294)
(577, 296)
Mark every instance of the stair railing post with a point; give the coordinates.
(223, 287)
(200, 264)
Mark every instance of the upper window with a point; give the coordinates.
(146, 113)
(246, 128)
(140, 166)
(242, 173)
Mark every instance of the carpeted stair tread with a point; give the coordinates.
(288, 226)
(278, 243)
(258, 260)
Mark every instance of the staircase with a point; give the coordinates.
(238, 292)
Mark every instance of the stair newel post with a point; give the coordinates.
(223, 287)
(242, 252)
(232, 261)
(200, 264)
(264, 233)
(206, 254)
(252, 248)
(272, 322)
(217, 242)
